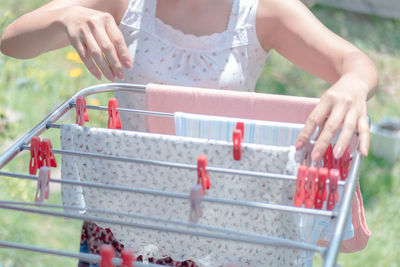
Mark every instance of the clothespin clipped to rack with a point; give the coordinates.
(321, 188)
(41, 155)
(114, 120)
(43, 188)
(237, 139)
(35, 160)
(106, 253)
(328, 157)
(203, 177)
(310, 187)
(47, 156)
(128, 258)
(300, 186)
(81, 111)
(333, 197)
(196, 211)
(345, 164)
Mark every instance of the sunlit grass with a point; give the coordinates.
(30, 89)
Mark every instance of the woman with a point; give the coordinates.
(205, 43)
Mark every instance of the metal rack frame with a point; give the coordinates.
(329, 253)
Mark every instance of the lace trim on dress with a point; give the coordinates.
(234, 35)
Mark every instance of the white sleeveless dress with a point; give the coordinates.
(230, 60)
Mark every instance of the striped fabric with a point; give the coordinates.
(221, 128)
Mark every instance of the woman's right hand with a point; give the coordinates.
(97, 39)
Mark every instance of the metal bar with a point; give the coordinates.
(60, 111)
(93, 258)
(140, 111)
(274, 176)
(257, 241)
(250, 204)
(169, 221)
(334, 245)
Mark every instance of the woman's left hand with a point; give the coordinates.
(342, 105)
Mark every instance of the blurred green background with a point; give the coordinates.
(31, 89)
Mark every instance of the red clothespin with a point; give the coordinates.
(334, 175)
(114, 120)
(237, 139)
(81, 112)
(328, 158)
(35, 155)
(240, 126)
(128, 258)
(321, 188)
(345, 164)
(42, 189)
(202, 173)
(300, 186)
(106, 253)
(196, 211)
(47, 156)
(310, 188)
(237, 144)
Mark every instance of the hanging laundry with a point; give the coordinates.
(317, 229)
(221, 128)
(246, 105)
(185, 150)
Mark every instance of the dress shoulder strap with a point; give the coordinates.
(142, 6)
(245, 13)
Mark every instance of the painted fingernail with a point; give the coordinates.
(299, 145)
(316, 156)
(128, 64)
(337, 152)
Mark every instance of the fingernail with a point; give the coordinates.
(316, 156)
(128, 64)
(299, 145)
(364, 151)
(337, 152)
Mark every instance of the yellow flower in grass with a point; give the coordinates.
(75, 72)
(74, 57)
(93, 102)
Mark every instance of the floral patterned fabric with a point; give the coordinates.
(158, 244)
(93, 237)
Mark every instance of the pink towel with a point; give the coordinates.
(246, 105)
(236, 104)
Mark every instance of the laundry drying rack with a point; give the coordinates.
(339, 216)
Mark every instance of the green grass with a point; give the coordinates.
(33, 88)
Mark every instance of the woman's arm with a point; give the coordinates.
(90, 26)
(294, 32)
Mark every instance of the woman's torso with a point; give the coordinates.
(231, 60)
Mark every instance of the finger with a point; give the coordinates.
(119, 42)
(347, 132)
(83, 54)
(107, 47)
(331, 126)
(97, 55)
(363, 130)
(315, 119)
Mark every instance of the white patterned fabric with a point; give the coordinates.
(230, 60)
(204, 251)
